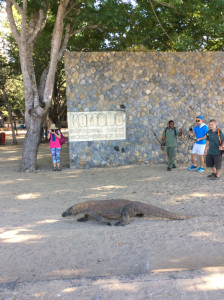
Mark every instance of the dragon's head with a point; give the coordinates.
(68, 212)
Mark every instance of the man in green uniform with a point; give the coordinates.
(214, 145)
(170, 138)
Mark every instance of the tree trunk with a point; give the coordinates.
(31, 144)
(37, 101)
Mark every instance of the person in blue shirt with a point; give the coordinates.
(199, 146)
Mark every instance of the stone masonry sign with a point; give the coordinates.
(96, 126)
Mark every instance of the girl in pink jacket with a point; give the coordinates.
(54, 136)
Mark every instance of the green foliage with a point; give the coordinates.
(175, 26)
(139, 48)
(15, 93)
(114, 25)
(12, 84)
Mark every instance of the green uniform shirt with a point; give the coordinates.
(214, 142)
(171, 137)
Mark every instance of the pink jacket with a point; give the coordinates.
(54, 144)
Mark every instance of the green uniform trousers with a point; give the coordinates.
(171, 153)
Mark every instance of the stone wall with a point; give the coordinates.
(152, 88)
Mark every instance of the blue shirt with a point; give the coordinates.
(200, 132)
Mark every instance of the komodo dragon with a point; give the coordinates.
(105, 210)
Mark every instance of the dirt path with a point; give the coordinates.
(43, 256)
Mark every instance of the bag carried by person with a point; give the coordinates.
(62, 139)
(222, 151)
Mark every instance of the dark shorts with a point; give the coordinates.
(214, 161)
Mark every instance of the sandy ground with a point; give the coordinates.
(45, 256)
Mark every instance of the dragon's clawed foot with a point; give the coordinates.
(120, 223)
(84, 219)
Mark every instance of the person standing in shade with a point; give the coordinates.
(199, 146)
(170, 138)
(54, 135)
(214, 145)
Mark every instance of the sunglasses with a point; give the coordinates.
(198, 120)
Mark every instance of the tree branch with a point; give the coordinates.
(55, 49)
(37, 25)
(164, 4)
(65, 41)
(16, 6)
(69, 33)
(72, 5)
(11, 20)
(23, 25)
(43, 79)
(87, 27)
(160, 22)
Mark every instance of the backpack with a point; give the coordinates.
(174, 131)
(62, 139)
(164, 143)
(222, 151)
